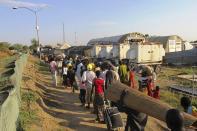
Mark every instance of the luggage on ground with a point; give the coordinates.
(113, 118)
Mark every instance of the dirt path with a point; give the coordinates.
(59, 109)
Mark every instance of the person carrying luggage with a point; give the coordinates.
(136, 121)
(98, 87)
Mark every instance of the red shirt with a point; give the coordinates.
(99, 83)
(156, 94)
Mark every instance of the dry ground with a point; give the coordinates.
(58, 109)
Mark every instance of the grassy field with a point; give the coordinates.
(167, 77)
(27, 115)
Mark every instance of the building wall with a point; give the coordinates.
(88, 52)
(174, 44)
(146, 53)
(115, 51)
(123, 49)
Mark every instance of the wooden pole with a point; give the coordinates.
(143, 103)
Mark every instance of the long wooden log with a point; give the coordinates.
(143, 103)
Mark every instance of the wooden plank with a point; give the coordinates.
(143, 103)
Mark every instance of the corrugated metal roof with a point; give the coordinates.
(164, 39)
(116, 39)
(112, 39)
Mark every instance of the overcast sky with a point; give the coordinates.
(96, 18)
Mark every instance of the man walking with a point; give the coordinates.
(87, 78)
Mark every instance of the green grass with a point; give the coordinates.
(27, 115)
(6, 60)
(5, 70)
(168, 77)
(29, 96)
(41, 66)
(172, 99)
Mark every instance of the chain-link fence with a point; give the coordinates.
(10, 96)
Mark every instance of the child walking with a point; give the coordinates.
(82, 94)
(71, 77)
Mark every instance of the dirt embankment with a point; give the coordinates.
(58, 109)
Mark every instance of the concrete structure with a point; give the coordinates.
(194, 44)
(187, 45)
(171, 43)
(64, 46)
(115, 46)
(145, 53)
(78, 51)
(59, 48)
(186, 57)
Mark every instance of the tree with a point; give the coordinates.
(146, 35)
(34, 44)
(4, 46)
(18, 47)
(25, 48)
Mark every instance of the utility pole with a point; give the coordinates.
(75, 38)
(36, 25)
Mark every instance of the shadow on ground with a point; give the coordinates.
(62, 105)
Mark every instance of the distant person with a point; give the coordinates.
(71, 76)
(82, 94)
(132, 77)
(103, 71)
(64, 75)
(187, 106)
(111, 76)
(98, 87)
(174, 120)
(78, 72)
(156, 93)
(53, 69)
(154, 78)
(123, 72)
(145, 80)
(87, 78)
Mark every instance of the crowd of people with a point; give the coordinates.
(93, 78)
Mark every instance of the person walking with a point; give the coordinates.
(82, 94)
(78, 72)
(71, 76)
(64, 75)
(132, 77)
(87, 78)
(98, 87)
(53, 69)
(111, 76)
(123, 72)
